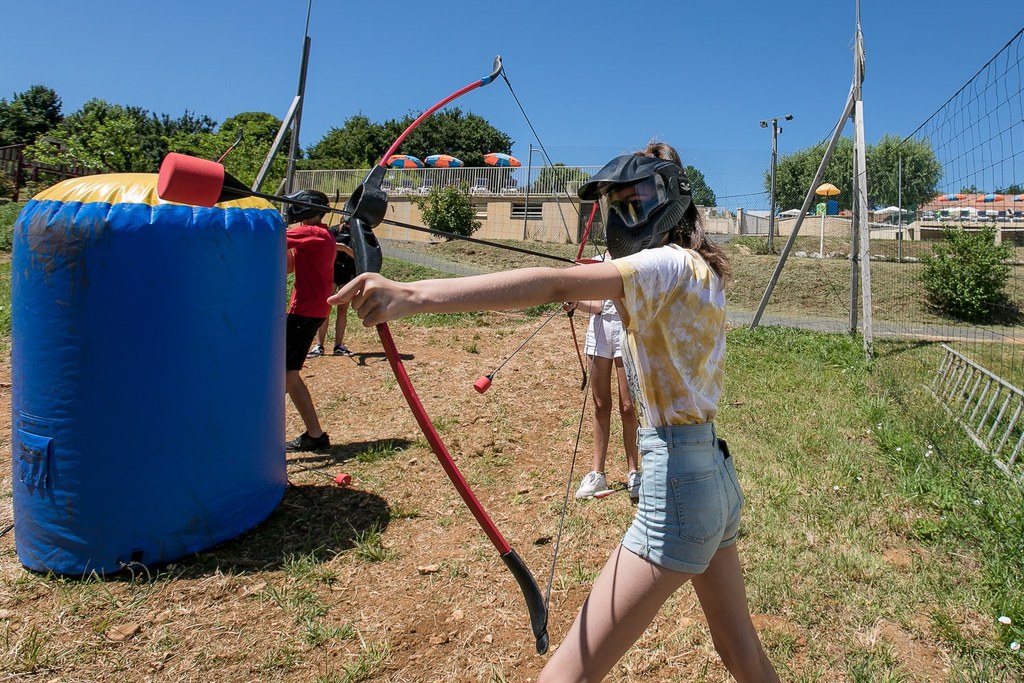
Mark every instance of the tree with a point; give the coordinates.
(360, 143)
(258, 132)
(700, 191)
(921, 172)
(99, 136)
(29, 115)
(559, 178)
(794, 174)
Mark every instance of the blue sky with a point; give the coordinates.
(594, 77)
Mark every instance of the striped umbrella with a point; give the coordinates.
(952, 197)
(499, 159)
(1018, 198)
(993, 198)
(443, 161)
(404, 161)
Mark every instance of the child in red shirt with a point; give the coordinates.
(313, 250)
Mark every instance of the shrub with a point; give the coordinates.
(756, 245)
(449, 209)
(8, 215)
(966, 276)
(6, 185)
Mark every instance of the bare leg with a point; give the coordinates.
(724, 601)
(340, 323)
(601, 388)
(321, 333)
(303, 401)
(628, 414)
(624, 600)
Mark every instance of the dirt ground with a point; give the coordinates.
(439, 606)
(305, 596)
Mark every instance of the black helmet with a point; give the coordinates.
(642, 200)
(301, 210)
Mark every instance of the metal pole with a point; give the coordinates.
(899, 231)
(526, 201)
(854, 247)
(293, 144)
(771, 215)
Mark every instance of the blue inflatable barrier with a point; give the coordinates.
(147, 374)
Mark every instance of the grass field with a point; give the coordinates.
(879, 545)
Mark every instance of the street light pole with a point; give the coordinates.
(776, 129)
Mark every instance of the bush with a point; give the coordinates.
(966, 276)
(6, 185)
(8, 215)
(756, 245)
(449, 209)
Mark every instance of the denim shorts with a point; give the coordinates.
(690, 498)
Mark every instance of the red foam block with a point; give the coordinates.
(482, 384)
(188, 180)
(343, 479)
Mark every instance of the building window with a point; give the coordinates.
(523, 210)
(481, 211)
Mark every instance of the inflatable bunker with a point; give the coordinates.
(147, 374)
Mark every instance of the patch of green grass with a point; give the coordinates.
(317, 634)
(369, 545)
(309, 567)
(474, 319)
(366, 666)
(379, 450)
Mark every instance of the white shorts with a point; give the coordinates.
(604, 336)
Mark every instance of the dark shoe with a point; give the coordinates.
(304, 442)
(341, 350)
(315, 352)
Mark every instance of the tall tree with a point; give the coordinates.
(795, 172)
(921, 173)
(29, 115)
(258, 132)
(359, 143)
(701, 192)
(559, 178)
(920, 176)
(100, 136)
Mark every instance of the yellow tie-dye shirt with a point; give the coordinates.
(674, 317)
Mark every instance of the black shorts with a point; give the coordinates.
(299, 334)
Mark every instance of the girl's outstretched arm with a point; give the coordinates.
(379, 300)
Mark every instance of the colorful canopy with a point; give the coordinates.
(443, 161)
(993, 198)
(827, 190)
(404, 161)
(1018, 198)
(499, 159)
(952, 197)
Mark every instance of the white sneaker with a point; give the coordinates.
(592, 483)
(633, 486)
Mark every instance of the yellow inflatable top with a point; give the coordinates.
(125, 188)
